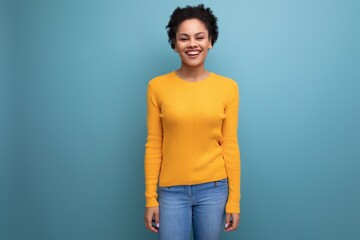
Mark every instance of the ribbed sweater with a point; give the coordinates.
(192, 135)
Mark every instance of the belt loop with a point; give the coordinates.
(215, 184)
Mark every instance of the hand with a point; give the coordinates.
(232, 225)
(150, 213)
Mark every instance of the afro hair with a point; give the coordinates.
(192, 12)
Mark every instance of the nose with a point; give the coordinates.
(192, 42)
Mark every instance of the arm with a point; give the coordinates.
(153, 148)
(231, 151)
(152, 160)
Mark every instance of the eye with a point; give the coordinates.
(183, 39)
(200, 38)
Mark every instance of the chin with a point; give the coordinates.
(193, 65)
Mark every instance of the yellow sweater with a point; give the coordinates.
(192, 135)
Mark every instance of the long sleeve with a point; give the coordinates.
(192, 135)
(153, 146)
(231, 151)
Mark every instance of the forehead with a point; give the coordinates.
(192, 26)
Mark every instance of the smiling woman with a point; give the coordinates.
(192, 157)
(192, 44)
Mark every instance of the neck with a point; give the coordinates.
(192, 73)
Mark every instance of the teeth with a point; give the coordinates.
(193, 52)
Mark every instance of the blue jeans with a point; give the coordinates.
(200, 208)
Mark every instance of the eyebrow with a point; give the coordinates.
(184, 34)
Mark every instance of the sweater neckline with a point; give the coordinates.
(192, 82)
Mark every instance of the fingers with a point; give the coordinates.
(227, 220)
(232, 220)
(157, 219)
(149, 214)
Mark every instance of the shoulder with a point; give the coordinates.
(225, 82)
(160, 80)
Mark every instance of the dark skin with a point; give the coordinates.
(192, 35)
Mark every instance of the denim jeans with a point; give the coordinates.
(200, 208)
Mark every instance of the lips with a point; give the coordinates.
(193, 53)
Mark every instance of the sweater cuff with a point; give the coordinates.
(151, 202)
(232, 207)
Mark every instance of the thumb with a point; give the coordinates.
(227, 220)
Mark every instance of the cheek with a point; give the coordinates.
(180, 45)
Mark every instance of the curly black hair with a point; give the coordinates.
(190, 12)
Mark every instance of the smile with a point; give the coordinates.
(193, 53)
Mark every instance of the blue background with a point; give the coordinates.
(72, 98)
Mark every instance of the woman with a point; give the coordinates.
(192, 157)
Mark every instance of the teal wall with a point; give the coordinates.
(72, 96)
(4, 118)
